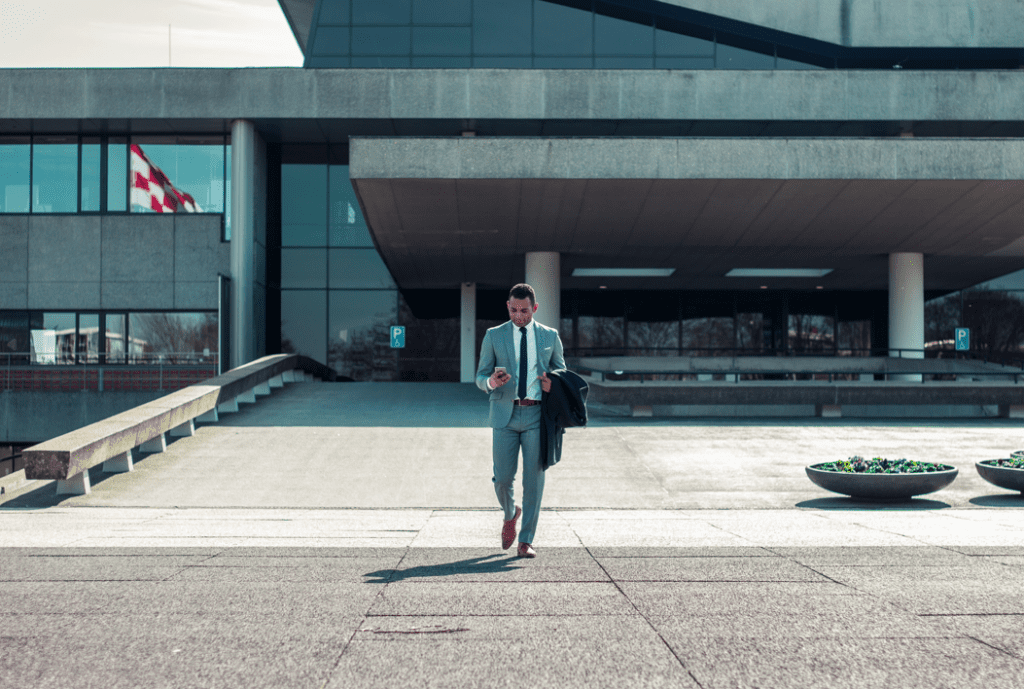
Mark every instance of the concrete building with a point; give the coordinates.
(675, 177)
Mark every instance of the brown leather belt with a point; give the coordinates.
(525, 403)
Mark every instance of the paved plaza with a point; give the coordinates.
(347, 535)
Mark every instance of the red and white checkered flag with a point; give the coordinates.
(152, 189)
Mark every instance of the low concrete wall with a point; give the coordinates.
(32, 416)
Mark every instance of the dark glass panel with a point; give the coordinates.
(622, 32)
(684, 63)
(194, 166)
(654, 338)
(442, 12)
(671, 43)
(783, 63)
(381, 40)
(729, 57)
(348, 227)
(503, 62)
(360, 334)
(331, 40)
(15, 158)
(304, 268)
(117, 174)
(854, 337)
(749, 333)
(811, 333)
(601, 334)
(559, 30)
(441, 40)
(171, 337)
(303, 205)
(996, 320)
(702, 336)
(563, 62)
(623, 62)
(431, 351)
(90, 189)
(334, 12)
(227, 191)
(381, 11)
(55, 175)
(355, 268)
(14, 337)
(54, 341)
(333, 62)
(88, 341)
(304, 323)
(381, 62)
(442, 62)
(502, 27)
(115, 337)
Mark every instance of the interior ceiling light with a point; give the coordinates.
(778, 272)
(622, 272)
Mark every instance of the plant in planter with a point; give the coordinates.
(1006, 473)
(880, 478)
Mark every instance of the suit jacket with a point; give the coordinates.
(498, 349)
(564, 407)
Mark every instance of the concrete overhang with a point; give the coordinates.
(312, 103)
(870, 23)
(449, 210)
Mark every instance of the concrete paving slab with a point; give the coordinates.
(535, 661)
(110, 568)
(736, 598)
(709, 569)
(418, 597)
(847, 662)
(874, 556)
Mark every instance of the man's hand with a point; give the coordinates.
(497, 379)
(545, 382)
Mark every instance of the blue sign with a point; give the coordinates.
(963, 339)
(397, 336)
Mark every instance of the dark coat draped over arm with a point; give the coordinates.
(564, 407)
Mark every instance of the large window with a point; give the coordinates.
(524, 34)
(108, 337)
(338, 299)
(92, 174)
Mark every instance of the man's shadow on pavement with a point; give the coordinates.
(474, 565)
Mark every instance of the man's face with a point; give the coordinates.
(520, 311)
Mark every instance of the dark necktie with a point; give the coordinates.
(522, 364)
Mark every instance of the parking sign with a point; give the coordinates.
(397, 336)
(963, 339)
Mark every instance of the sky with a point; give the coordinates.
(134, 33)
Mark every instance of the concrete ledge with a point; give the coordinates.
(71, 455)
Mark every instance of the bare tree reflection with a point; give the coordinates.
(174, 338)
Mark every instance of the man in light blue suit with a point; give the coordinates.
(514, 360)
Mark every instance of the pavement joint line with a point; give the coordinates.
(632, 603)
(995, 648)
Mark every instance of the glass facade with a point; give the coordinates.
(72, 174)
(524, 34)
(108, 337)
(338, 300)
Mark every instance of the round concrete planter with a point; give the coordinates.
(1004, 477)
(882, 486)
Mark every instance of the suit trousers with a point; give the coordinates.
(522, 432)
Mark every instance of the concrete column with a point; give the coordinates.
(543, 273)
(243, 237)
(906, 308)
(467, 333)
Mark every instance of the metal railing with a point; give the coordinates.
(140, 372)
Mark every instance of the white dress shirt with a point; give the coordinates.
(533, 390)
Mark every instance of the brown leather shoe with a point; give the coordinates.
(526, 550)
(508, 532)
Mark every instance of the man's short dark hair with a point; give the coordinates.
(523, 291)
